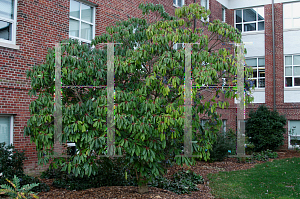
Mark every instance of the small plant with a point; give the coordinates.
(16, 191)
(265, 155)
(182, 182)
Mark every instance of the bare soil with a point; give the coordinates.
(130, 192)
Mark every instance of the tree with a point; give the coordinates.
(265, 128)
(149, 91)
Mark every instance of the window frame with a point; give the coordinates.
(11, 127)
(223, 14)
(176, 4)
(257, 68)
(292, 76)
(289, 135)
(80, 20)
(243, 23)
(293, 18)
(11, 43)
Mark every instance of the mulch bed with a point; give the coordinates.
(202, 168)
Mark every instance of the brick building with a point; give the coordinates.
(29, 27)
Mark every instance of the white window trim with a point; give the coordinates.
(176, 4)
(12, 43)
(290, 87)
(258, 88)
(289, 138)
(80, 20)
(242, 23)
(223, 14)
(11, 137)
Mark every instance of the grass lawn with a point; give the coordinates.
(277, 179)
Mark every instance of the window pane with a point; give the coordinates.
(250, 27)
(204, 3)
(5, 30)
(239, 27)
(287, 10)
(288, 71)
(261, 13)
(86, 31)
(261, 25)
(295, 127)
(288, 60)
(296, 23)
(296, 70)
(296, 8)
(254, 83)
(74, 9)
(296, 59)
(261, 83)
(74, 28)
(249, 15)
(251, 62)
(5, 130)
(254, 73)
(297, 81)
(7, 9)
(223, 14)
(288, 23)
(86, 13)
(261, 73)
(261, 61)
(180, 3)
(238, 16)
(174, 1)
(288, 81)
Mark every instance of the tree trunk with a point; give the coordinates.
(143, 188)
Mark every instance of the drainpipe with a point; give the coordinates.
(274, 71)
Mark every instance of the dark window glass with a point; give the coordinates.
(238, 16)
(288, 81)
(239, 27)
(297, 81)
(250, 27)
(261, 83)
(261, 25)
(5, 30)
(249, 15)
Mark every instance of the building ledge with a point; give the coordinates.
(253, 33)
(8, 45)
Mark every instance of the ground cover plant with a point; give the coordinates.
(276, 179)
(149, 92)
(11, 164)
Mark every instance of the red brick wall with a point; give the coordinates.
(39, 25)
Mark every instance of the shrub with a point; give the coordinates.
(181, 182)
(11, 164)
(265, 129)
(16, 191)
(111, 172)
(222, 146)
(260, 156)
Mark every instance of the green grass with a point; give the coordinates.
(277, 179)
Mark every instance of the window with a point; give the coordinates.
(178, 3)
(204, 3)
(223, 14)
(251, 19)
(294, 133)
(82, 21)
(178, 46)
(291, 15)
(258, 66)
(8, 18)
(6, 129)
(292, 70)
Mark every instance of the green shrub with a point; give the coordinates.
(265, 129)
(259, 156)
(222, 146)
(111, 172)
(11, 164)
(181, 182)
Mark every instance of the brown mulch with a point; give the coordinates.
(130, 192)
